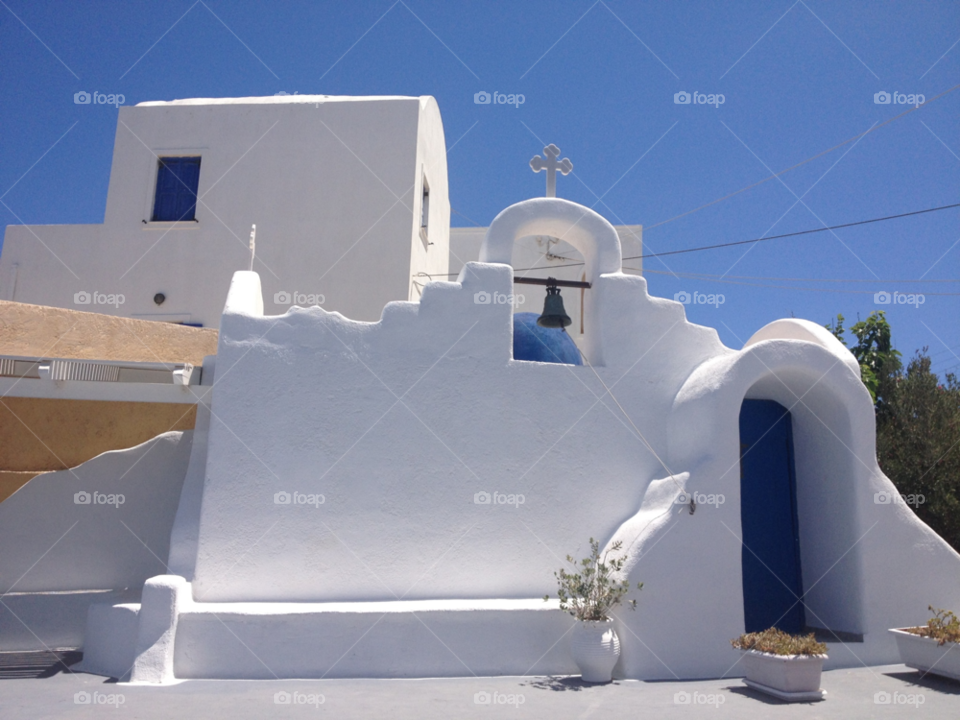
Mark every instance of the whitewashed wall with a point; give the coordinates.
(399, 424)
(333, 184)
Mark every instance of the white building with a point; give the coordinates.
(392, 498)
(349, 195)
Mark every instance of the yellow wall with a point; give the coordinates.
(40, 434)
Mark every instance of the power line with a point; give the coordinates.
(707, 277)
(809, 289)
(804, 162)
(454, 210)
(772, 177)
(747, 242)
(793, 234)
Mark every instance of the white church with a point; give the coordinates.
(379, 485)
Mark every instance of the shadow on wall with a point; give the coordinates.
(90, 533)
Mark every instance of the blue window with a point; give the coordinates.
(177, 182)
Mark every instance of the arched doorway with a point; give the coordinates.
(771, 563)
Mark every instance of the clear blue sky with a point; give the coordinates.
(599, 81)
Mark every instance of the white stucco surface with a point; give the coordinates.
(111, 637)
(334, 185)
(349, 464)
(117, 540)
(40, 621)
(158, 617)
(186, 523)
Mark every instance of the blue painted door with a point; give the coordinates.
(772, 582)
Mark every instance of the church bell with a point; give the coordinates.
(554, 315)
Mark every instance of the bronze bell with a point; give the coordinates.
(554, 315)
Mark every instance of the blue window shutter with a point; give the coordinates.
(177, 181)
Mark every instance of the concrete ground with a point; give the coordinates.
(852, 693)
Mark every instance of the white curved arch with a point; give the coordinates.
(796, 329)
(587, 231)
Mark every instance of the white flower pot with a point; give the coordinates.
(795, 678)
(596, 649)
(926, 655)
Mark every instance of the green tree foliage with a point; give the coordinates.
(879, 362)
(918, 423)
(918, 444)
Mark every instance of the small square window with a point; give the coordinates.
(177, 181)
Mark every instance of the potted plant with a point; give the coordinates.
(783, 665)
(589, 594)
(934, 648)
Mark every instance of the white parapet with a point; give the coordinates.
(393, 639)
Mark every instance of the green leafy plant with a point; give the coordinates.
(879, 361)
(943, 627)
(591, 592)
(918, 423)
(777, 642)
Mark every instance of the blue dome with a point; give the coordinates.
(540, 344)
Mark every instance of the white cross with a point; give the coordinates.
(550, 163)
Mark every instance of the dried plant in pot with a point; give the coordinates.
(933, 648)
(590, 593)
(783, 665)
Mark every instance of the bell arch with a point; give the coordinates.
(587, 231)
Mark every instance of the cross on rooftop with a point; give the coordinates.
(550, 163)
